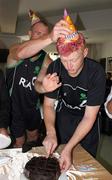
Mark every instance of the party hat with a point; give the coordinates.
(74, 35)
(34, 18)
(72, 41)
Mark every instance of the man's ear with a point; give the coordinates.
(85, 52)
(29, 33)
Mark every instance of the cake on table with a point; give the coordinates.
(42, 168)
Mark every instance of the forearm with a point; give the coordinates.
(39, 87)
(31, 47)
(49, 118)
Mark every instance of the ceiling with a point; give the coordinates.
(53, 7)
(12, 11)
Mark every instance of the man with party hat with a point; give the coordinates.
(34, 18)
(23, 69)
(82, 89)
(78, 83)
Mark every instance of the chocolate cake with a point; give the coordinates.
(42, 168)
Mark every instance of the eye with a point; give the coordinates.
(38, 33)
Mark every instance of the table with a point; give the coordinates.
(82, 158)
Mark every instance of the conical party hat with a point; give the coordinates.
(74, 36)
(71, 42)
(34, 18)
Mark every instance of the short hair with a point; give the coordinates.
(43, 20)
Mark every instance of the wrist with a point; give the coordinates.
(39, 87)
(42, 90)
(51, 132)
(48, 39)
(69, 146)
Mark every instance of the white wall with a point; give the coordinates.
(106, 50)
(94, 51)
(7, 40)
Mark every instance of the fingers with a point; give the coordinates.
(51, 76)
(50, 149)
(50, 145)
(61, 29)
(65, 159)
(4, 131)
(51, 82)
(54, 77)
(64, 165)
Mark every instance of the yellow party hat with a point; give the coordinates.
(71, 42)
(34, 18)
(74, 35)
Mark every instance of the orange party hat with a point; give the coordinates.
(34, 18)
(74, 36)
(69, 21)
(72, 41)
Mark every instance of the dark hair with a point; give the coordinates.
(49, 26)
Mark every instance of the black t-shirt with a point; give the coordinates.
(88, 88)
(20, 80)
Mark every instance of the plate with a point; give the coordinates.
(63, 176)
(4, 160)
(5, 141)
(4, 177)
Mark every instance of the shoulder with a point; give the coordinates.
(94, 67)
(56, 63)
(93, 63)
(13, 48)
(54, 66)
(12, 58)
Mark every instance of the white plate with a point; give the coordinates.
(5, 141)
(4, 177)
(4, 160)
(63, 176)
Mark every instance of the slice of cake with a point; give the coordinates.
(42, 168)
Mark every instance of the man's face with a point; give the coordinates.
(74, 61)
(38, 30)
